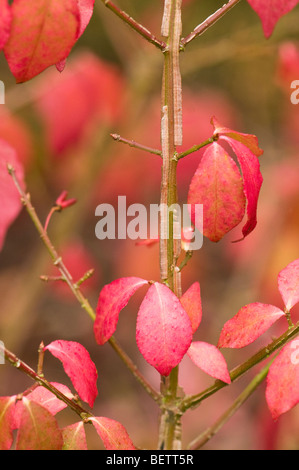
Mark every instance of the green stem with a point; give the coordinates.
(195, 400)
(195, 148)
(171, 132)
(201, 440)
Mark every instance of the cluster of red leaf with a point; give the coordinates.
(33, 413)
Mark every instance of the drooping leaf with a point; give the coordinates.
(78, 366)
(74, 437)
(218, 186)
(270, 11)
(288, 284)
(252, 179)
(191, 302)
(208, 358)
(164, 330)
(113, 298)
(5, 22)
(48, 400)
(113, 434)
(249, 140)
(248, 324)
(43, 33)
(38, 428)
(7, 405)
(282, 392)
(85, 8)
(10, 199)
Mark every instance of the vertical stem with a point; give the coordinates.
(171, 136)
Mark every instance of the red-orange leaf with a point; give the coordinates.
(78, 366)
(163, 331)
(288, 284)
(282, 392)
(113, 434)
(5, 22)
(7, 406)
(74, 437)
(218, 186)
(270, 11)
(248, 324)
(43, 33)
(38, 428)
(191, 302)
(208, 358)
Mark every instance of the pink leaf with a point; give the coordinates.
(113, 298)
(248, 324)
(164, 331)
(43, 33)
(208, 358)
(252, 178)
(48, 400)
(10, 199)
(217, 184)
(78, 366)
(270, 11)
(74, 437)
(113, 434)
(191, 302)
(38, 428)
(7, 406)
(5, 22)
(282, 392)
(288, 284)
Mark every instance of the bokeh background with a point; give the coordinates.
(60, 126)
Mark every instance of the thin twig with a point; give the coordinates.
(139, 28)
(202, 27)
(201, 440)
(74, 287)
(195, 400)
(134, 144)
(195, 148)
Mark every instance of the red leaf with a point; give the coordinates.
(10, 199)
(217, 184)
(113, 434)
(43, 33)
(48, 400)
(270, 11)
(249, 140)
(7, 406)
(38, 428)
(208, 358)
(78, 366)
(191, 302)
(85, 11)
(5, 22)
(74, 437)
(113, 298)
(252, 179)
(288, 284)
(248, 324)
(164, 331)
(282, 392)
